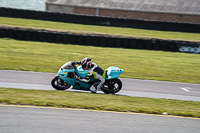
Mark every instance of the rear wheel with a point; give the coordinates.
(59, 84)
(112, 86)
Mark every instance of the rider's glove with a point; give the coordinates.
(73, 62)
(76, 62)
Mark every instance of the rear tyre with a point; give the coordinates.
(112, 86)
(59, 84)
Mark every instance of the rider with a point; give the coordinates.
(93, 70)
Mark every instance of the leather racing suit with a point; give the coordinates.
(99, 74)
(96, 72)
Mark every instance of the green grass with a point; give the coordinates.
(105, 102)
(139, 64)
(116, 31)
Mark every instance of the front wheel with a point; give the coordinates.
(112, 86)
(59, 84)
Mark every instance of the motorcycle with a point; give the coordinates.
(74, 77)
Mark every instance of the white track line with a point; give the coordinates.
(187, 89)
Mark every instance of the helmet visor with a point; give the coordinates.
(84, 66)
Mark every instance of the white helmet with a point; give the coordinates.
(86, 63)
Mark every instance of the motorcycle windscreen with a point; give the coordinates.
(68, 65)
(113, 72)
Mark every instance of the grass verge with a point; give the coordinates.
(91, 29)
(104, 102)
(139, 64)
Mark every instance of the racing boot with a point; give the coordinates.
(93, 89)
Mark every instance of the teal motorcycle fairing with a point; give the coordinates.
(113, 72)
(68, 71)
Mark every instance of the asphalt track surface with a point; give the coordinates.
(131, 87)
(26, 119)
(51, 120)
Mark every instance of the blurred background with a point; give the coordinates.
(24, 4)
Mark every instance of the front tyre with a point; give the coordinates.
(59, 84)
(112, 86)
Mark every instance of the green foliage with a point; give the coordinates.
(66, 99)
